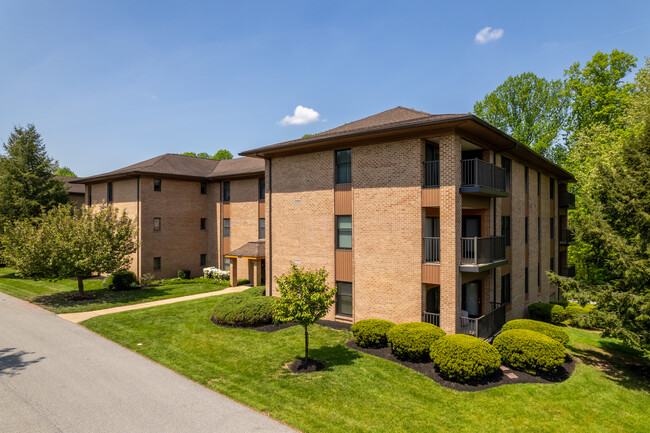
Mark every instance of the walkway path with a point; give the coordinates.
(59, 377)
(85, 315)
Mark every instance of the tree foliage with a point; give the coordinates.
(220, 155)
(27, 183)
(304, 298)
(531, 109)
(612, 219)
(65, 171)
(67, 241)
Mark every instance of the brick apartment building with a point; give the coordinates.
(439, 218)
(76, 192)
(191, 212)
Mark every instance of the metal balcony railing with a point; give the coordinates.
(480, 174)
(486, 325)
(482, 251)
(567, 200)
(566, 237)
(569, 271)
(433, 318)
(431, 174)
(432, 250)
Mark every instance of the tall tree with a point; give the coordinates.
(596, 92)
(612, 219)
(222, 154)
(65, 171)
(27, 183)
(531, 109)
(71, 242)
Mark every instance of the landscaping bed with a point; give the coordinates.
(497, 379)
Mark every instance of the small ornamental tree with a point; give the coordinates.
(71, 242)
(304, 298)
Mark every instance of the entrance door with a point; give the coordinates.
(263, 264)
(432, 227)
(473, 298)
(433, 300)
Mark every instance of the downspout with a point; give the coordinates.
(269, 231)
(137, 257)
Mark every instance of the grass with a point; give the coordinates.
(358, 392)
(54, 295)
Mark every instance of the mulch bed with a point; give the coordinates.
(497, 379)
(308, 366)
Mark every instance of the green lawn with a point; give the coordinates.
(359, 392)
(53, 295)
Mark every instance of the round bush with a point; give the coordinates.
(529, 351)
(555, 332)
(241, 309)
(550, 313)
(371, 332)
(412, 341)
(120, 280)
(184, 274)
(463, 357)
(575, 311)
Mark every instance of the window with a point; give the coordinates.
(506, 163)
(539, 229)
(109, 192)
(203, 223)
(344, 298)
(539, 183)
(505, 229)
(552, 227)
(552, 268)
(262, 188)
(226, 227)
(343, 166)
(526, 281)
(552, 188)
(526, 179)
(203, 259)
(539, 275)
(157, 264)
(526, 229)
(90, 195)
(261, 229)
(156, 224)
(344, 232)
(204, 188)
(226, 191)
(226, 264)
(157, 185)
(505, 289)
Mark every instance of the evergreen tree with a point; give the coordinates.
(27, 184)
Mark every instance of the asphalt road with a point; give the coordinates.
(59, 377)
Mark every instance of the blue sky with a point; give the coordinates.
(111, 83)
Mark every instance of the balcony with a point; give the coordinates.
(567, 200)
(431, 174)
(569, 271)
(481, 254)
(566, 237)
(480, 177)
(432, 250)
(433, 318)
(485, 326)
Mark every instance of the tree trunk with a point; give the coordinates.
(80, 284)
(306, 344)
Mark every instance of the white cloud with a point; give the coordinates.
(488, 34)
(301, 116)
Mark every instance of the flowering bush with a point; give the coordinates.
(215, 273)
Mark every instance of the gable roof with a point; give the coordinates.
(253, 250)
(397, 122)
(174, 165)
(73, 188)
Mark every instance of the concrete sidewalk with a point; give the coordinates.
(80, 317)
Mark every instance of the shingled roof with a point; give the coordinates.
(73, 188)
(174, 165)
(253, 250)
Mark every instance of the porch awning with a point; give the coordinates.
(252, 250)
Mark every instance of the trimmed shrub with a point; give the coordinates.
(564, 304)
(555, 332)
(242, 281)
(244, 309)
(120, 280)
(256, 291)
(412, 341)
(184, 274)
(529, 351)
(463, 358)
(550, 313)
(371, 332)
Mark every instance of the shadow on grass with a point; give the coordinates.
(334, 356)
(99, 296)
(13, 361)
(615, 361)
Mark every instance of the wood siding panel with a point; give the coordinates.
(226, 245)
(430, 274)
(261, 209)
(505, 206)
(226, 210)
(343, 199)
(343, 265)
(430, 197)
